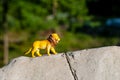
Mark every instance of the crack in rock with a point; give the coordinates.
(73, 71)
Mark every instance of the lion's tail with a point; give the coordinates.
(28, 51)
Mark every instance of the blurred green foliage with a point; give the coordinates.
(30, 20)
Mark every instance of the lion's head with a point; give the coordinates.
(54, 39)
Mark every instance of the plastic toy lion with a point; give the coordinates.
(48, 44)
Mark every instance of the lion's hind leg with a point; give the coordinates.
(33, 52)
(38, 52)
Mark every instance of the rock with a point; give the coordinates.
(96, 64)
(92, 64)
(40, 68)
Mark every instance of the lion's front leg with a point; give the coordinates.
(48, 50)
(53, 50)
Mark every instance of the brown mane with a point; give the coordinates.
(52, 40)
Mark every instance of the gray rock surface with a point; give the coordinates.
(40, 68)
(96, 64)
(92, 64)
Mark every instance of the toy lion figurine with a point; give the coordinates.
(47, 44)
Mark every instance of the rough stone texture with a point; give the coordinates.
(40, 68)
(96, 64)
(92, 64)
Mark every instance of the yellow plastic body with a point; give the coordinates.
(44, 44)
